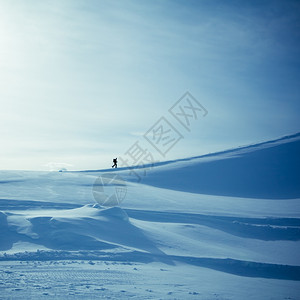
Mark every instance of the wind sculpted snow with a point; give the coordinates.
(268, 170)
(230, 218)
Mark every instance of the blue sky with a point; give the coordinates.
(81, 81)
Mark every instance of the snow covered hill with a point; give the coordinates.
(220, 226)
(269, 170)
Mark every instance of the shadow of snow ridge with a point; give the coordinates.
(227, 265)
(267, 229)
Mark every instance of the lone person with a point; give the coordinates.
(115, 162)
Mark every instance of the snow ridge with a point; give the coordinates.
(230, 217)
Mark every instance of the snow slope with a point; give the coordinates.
(269, 170)
(220, 226)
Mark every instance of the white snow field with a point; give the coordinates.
(220, 226)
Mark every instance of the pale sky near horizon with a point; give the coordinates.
(81, 81)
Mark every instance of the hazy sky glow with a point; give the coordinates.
(81, 81)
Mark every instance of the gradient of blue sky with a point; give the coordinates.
(81, 81)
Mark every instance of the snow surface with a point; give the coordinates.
(220, 226)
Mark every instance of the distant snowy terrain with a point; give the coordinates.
(220, 226)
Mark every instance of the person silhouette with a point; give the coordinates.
(115, 163)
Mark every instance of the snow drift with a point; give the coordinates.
(233, 213)
(269, 170)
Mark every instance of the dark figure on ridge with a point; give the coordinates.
(115, 162)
